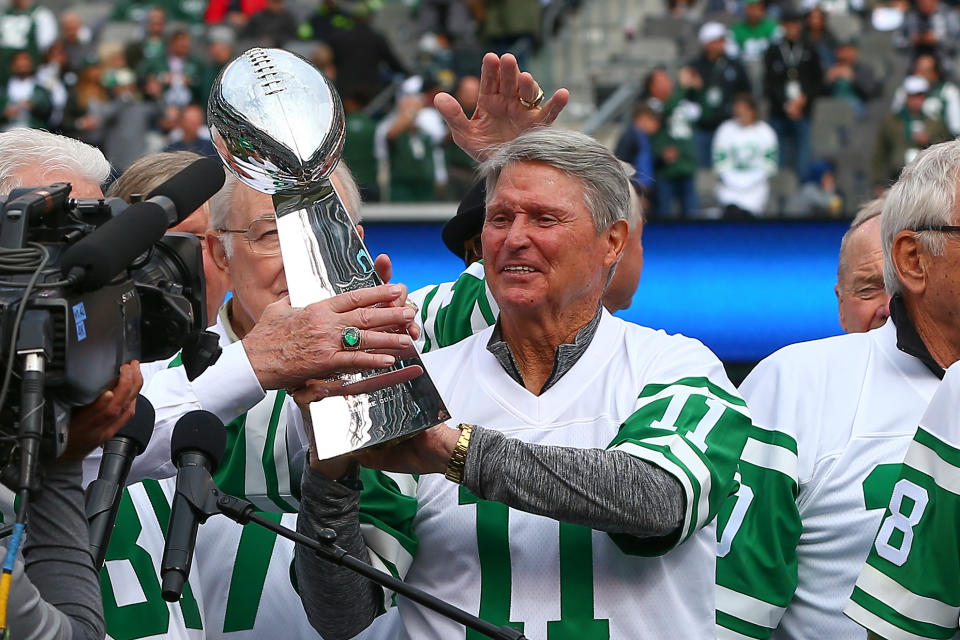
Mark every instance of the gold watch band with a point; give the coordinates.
(458, 458)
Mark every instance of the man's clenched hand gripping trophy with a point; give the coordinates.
(278, 125)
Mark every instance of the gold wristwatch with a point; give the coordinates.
(459, 456)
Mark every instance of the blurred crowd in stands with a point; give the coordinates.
(792, 109)
(133, 77)
(771, 109)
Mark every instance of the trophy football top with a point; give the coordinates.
(276, 121)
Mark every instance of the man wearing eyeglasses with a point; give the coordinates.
(839, 414)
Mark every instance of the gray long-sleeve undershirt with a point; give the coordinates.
(55, 594)
(604, 490)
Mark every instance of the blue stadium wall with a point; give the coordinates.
(744, 289)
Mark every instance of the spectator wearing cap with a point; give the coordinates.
(904, 134)
(716, 78)
(943, 97)
(744, 159)
(792, 81)
(755, 33)
(850, 79)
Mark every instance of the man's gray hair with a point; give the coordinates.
(868, 211)
(925, 194)
(606, 191)
(33, 148)
(222, 202)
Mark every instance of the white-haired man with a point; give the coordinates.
(839, 414)
(909, 585)
(583, 498)
(862, 301)
(30, 158)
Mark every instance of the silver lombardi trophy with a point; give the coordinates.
(278, 125)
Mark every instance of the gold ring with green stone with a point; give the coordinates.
(350, 338)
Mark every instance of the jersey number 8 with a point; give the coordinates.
(896, 533)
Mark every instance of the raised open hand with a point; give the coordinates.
(500, 115)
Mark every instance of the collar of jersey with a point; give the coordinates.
(908, 340)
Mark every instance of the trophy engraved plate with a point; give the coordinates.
(278, 125)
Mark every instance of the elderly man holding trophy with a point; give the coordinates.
(283, 192)
(591, 455)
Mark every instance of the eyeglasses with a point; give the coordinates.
(943, 228)
(261, 235)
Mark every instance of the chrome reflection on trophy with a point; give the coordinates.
(278, 125)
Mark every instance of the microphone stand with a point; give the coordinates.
(197, 486)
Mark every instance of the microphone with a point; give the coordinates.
(97, 258)
(197, 445)
(103, 494)
(183, 194)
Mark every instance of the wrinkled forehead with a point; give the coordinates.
(36, 176)
(249, 204)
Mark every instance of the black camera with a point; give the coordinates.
(85, 286)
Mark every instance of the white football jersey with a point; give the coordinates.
(240, 582)
(654, 396)
(852, 404)
(909, 588)
(130, 577)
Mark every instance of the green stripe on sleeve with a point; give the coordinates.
(949, 454)
(744, 628)
(891, 615)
